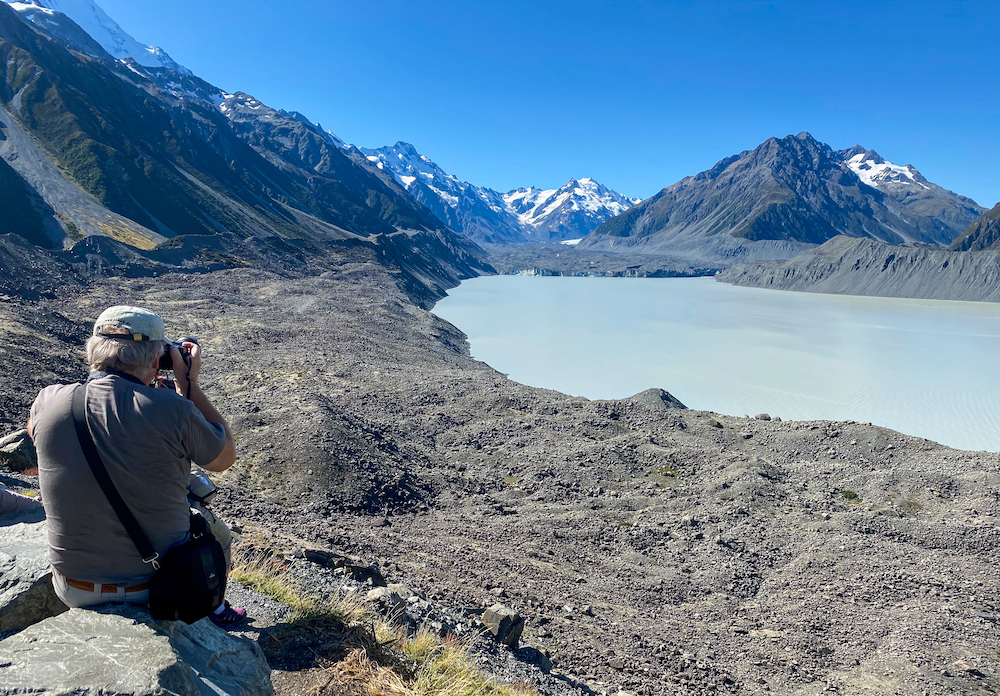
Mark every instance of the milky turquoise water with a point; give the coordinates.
(926, 368)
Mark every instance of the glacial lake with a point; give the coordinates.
(922, 367)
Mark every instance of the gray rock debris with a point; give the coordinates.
(504, 623)
(120, 649)
(26, 594)
(385, 600)
(849, 266)
(17, 451)
(658, 399)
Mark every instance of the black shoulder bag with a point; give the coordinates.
(190, 579)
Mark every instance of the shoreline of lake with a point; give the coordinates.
(740, 351)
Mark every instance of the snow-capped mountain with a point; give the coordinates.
(570, 212)
(909, 193)
(782, 197)
(478, 213)
(522, 215)
(99, 26)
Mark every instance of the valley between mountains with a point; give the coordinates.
(651, 549)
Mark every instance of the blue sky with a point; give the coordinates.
(634, 94)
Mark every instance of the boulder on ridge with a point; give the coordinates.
(658, 399)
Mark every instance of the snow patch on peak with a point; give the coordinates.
(104, 30)
(534, 207)
(408, 167)
(873, 170)
(25, 7)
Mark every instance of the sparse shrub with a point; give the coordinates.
(849, 496)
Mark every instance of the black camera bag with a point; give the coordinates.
(190, 579)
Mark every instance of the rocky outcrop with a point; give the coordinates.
(504, 623)
(848, 266)
(657, 399)
(112, 648)
(119, 649)
(26, 594)
(17, 451)
(982, 234)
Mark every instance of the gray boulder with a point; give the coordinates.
(26, 594)
(385, 600)
(504, 623)
(120, 649)
(658, 399)
(404, 591)
(17, 451)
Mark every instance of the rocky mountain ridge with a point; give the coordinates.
(478, 213)
(310, 169)
(852, 266)
(982, 234)
(784, 196)
(95, 145)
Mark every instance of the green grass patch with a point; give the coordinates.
(267, 575)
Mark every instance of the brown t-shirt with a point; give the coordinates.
(147, 439)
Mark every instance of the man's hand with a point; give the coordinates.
(186, 373)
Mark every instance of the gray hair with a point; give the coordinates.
(133, 357)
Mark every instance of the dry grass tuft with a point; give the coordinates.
(359, 653)
(356, 673)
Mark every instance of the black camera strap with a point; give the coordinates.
(125, 516)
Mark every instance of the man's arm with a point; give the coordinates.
(186, 383)
(227, 457)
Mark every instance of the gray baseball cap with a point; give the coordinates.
(134, 323)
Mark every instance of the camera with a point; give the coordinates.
(166, 362)
(201, 489)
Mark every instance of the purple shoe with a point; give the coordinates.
(230, 616)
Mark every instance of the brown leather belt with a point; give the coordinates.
(105, 587)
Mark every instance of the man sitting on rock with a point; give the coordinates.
(147, 439)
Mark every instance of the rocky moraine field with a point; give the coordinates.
(650, 549)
